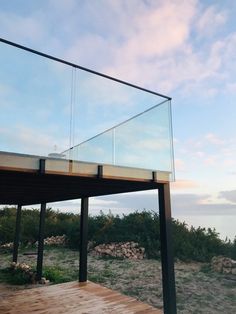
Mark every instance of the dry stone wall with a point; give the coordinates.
(224, 265)
(54, 240)
(130, 250)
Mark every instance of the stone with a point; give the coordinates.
(226, 262)
(42, 281)
(222, 264)
(129, 250)
(226, 270)
(233, 263)
(217, 268)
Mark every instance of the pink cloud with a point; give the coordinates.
(179, 164)
(210, 20)
(20, 28)
(184, 184)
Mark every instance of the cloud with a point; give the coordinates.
(150, 43)
(210, 20)
(184, 184)
(180, 165)
(117, 204)
(21, 28)
(228, 195)
(94, 203)
(195, 204)
(126, 39)
(132, 201)
(205, 153)
(213, 139)
(30, 141)
(182, 204)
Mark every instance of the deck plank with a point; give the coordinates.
(71, 298)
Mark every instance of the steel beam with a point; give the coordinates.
(17, 234)
(83, 240)
(167, 260)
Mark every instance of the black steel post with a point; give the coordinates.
(167, 259)
(17, 234)
(41, 241)
(83, 240)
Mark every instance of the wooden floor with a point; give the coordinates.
(71, 298)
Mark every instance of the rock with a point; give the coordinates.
(217, 268)
(226, 262)
(226, 270)
(233, 263)
(233, 271)
(223, 264)
(7, 245)
(129, 250)
(54, 240)
(42, 281)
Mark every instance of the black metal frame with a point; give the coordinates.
(168, 276)
(83, 240)
(80, 67)
(39, 266)
(167, 259)
(17, 234)
(41, 242)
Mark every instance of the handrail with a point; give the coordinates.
(115, 126)
(80, 67)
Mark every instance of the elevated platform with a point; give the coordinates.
(72, 297)
(26, 180)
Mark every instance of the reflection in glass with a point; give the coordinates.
(144, 141)
(55, 107)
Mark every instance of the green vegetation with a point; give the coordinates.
(14, 277)
(197, 244)
(105, 274)
(57, 274)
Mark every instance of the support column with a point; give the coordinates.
(41, 241)
(167, 260)
(17, 234)
(83, 240)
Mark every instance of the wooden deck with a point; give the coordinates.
(72, 297)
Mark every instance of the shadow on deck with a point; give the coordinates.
(72, 297)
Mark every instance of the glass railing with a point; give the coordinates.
(144, 141)
(49, 106)
(34, 103)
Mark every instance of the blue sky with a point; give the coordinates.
(185, 49)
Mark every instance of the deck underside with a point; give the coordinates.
(23, 182)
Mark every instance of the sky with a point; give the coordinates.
(183, 49)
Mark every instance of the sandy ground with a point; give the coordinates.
(197, 291)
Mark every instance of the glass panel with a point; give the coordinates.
(98, 149)
(100, 104)
(48, 107)
(145, 141)
(34, 103)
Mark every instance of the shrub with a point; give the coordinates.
(198, 244)
(55, 274)
(14, 276)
